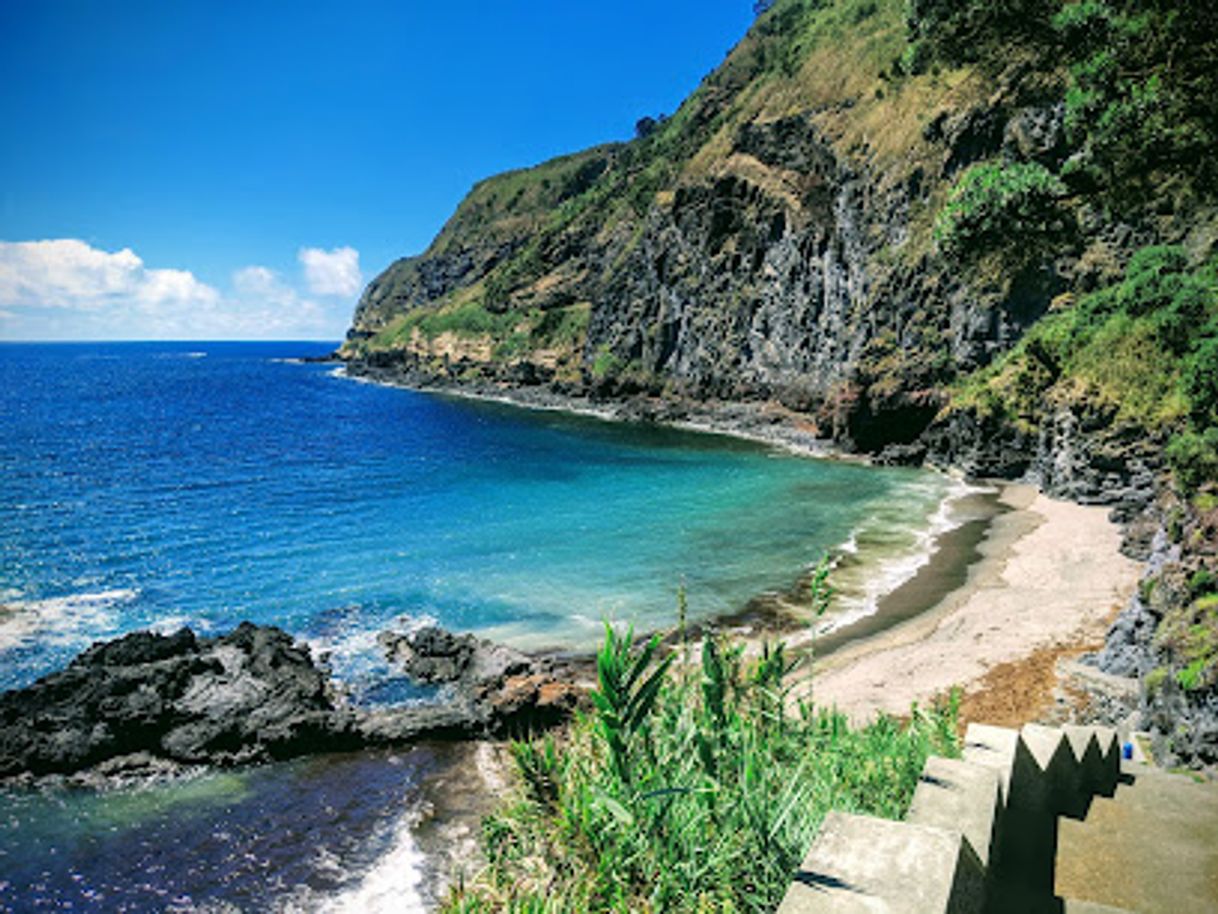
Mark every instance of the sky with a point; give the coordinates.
(240, 170)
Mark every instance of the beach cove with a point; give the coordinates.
(206, 536)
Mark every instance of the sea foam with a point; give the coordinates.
(394, 883)
(884, 568)
(61, 621)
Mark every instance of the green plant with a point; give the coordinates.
(1202, 582)
(625, 694)
(681, 794)
(1193, 457)
(1143, 97)
(970, 30)
(1154, 680)
(1201, 382)
(1000, 206)
(1192, 676)
(606, 364)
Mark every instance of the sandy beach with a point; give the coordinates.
(1049, 575)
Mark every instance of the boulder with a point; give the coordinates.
(251, 695)
(507, 690)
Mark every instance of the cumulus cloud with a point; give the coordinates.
(68, 289)
(264, 285)
(67, 273)
(333, 272)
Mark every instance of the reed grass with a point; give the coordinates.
(688, 789)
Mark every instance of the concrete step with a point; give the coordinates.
(994, 748)
(1151, 848)
(1098, 754)
(860, 864)
(955, 794)
(1073, 906)
(1060, 785)
(1166, 792)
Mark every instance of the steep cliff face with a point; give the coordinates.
(771, 240)
(903, 232)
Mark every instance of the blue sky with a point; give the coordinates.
(236, 170)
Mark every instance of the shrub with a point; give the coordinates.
(1201, 382)
(1152, 278)
(1202, 583)
(1193, 675)
(1182, 322)
(969, 30)
(997, 205)
(1193, 457)
(606, 364)
(1143, 98)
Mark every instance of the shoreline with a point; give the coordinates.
(1047, 575)
(770, 425)
(1052, 570)
(761, 422)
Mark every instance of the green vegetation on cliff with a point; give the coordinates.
(1141, 351)
(688, 789)
(861, 207)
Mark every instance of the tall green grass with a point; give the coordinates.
(688, 787)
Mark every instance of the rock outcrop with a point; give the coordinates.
(146, 701)
(1167, 636)
(504, 689)
(250, 695)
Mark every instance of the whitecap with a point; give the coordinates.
(393, 885)
(883, 574)
(171, 624)
(351, 649)
(61, 621)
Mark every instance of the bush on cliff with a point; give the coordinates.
(1142, 103)
(689, 789)
(1144, 350)
(969, 30)
(1012, 206)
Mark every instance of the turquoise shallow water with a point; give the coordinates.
(154, 484)
(202, 484)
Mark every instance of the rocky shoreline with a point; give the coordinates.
(766, 423)
(148, 703)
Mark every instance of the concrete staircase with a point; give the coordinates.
(982, 836)
(1151, 847)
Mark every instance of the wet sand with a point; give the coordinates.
(1042, 573)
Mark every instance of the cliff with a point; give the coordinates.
(941, 231)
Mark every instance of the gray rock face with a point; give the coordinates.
(430, 655)
(1158, 633)
(1081, 458)
(781, 276)
(502, 688)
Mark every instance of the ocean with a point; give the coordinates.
(156, 485)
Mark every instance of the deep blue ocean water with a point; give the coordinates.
(157, 484)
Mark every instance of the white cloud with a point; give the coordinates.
(66, 273)
(67, 289)
(333, 272)
(264, 285)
